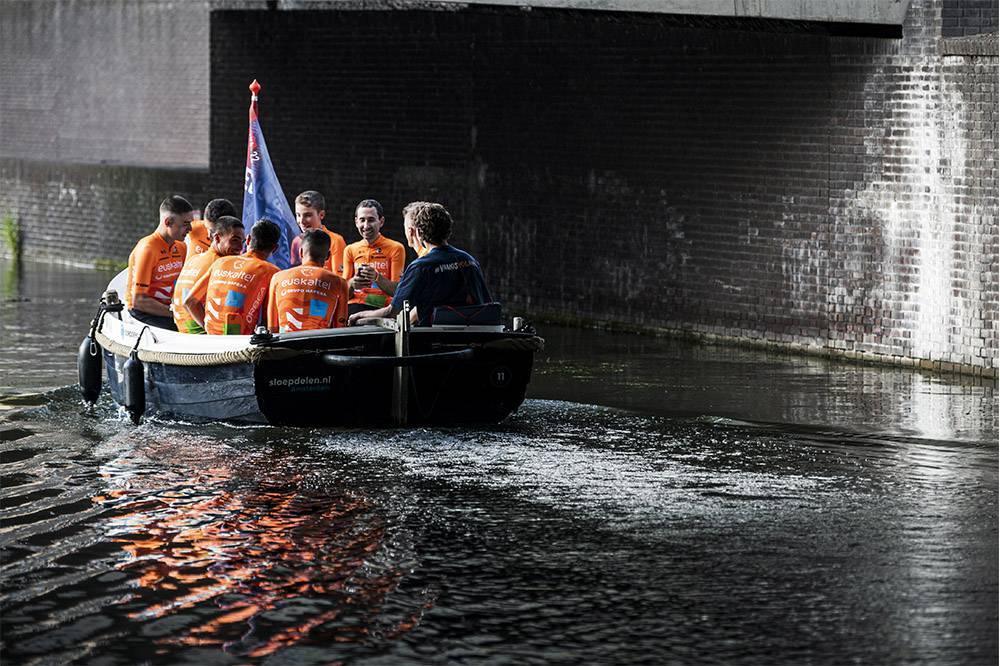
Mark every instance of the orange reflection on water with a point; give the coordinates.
(255, 570)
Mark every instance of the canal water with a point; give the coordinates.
(651, 502)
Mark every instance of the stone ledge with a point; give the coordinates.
(789, 348)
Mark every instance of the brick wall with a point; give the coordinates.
(969, 17)
(103, 112)
(913, 201)
(778, 185)
(105, 81)
(552, 137)
(86, 212)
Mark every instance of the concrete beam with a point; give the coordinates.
(890, 12)
(879, 12)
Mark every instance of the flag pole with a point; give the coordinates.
(263, 197)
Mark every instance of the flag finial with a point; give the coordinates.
(255, 87)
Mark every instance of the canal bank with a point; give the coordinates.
(845, 350)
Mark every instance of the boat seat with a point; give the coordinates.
(486, 314)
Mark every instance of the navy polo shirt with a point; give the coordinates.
(443, 276)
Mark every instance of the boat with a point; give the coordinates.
(458, 371)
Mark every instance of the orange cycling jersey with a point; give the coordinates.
(387, 256)
(335, 262)
(198, 240)
(305, 298)
(234, 291)
(195, 266)
(152, 268)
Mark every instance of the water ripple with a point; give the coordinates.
(567, 530)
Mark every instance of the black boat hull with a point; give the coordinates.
(198, 394)
(343, 380)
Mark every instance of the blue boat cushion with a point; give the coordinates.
(486, 314)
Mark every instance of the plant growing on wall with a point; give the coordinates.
(110, 265)
(11, 232)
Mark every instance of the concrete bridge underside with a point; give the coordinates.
(876, 12)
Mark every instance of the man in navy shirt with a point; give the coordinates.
(445, 276)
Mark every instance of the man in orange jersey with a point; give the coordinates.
(310, 209)
(373, 260)
(307, 297)
(155, 263)
(227, 241)
(230, 298)
(200, 238)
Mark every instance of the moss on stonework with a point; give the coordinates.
(110, 265)
(11, 233)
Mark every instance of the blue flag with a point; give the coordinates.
(262, 193)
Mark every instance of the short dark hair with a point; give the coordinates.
(217, 208)
(226, 224)
(369, 203)
(175, 205)
(264, 235)
(433, 223)
(316, 244)
(312, 199)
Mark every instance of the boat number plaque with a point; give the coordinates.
(500, 376)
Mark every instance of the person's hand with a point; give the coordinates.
(356, 319)
(368, 274)
(361, 280)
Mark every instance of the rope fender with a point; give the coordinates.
(255, 355)
(252, 355)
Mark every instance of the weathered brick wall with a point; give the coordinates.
(593, 164)
(913, 199)
(105, 81)
(104, 111)
(783, 186)
(969, 17)
(85, 212)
